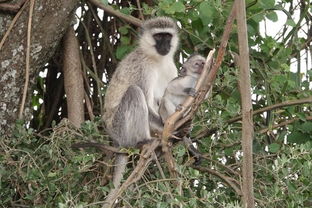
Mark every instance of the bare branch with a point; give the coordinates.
(73, 80)
(112, 11)
(247, 119)
(275, 106)
(12, 7)
(207, 132)
(102, 147)
(31, 9)
(284, 123)
(226, 179)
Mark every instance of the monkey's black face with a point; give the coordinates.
(163, 43)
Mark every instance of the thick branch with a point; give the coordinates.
(44, 40)
(112, 11)
(12, 7)
(73, 81)
(247, 119)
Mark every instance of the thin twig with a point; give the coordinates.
(140, 9)
(207, 132)
(97, 78)
(100, 146)
(226, 179)
(284, 123)
(273, 107)
(31, 9)
(89, 106)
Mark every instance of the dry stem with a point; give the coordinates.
(31, 9)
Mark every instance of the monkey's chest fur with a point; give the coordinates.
(150, 74)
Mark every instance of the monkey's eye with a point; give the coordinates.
(160, 36)
(168, 35)
(157, 36)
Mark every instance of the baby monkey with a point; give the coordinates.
(181, 87)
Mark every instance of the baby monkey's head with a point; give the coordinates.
(193, 66)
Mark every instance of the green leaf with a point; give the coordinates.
(126, 10)
(272, 16)
(306, 127)
(125, 40)
(290, 22)
(291, 187)
(258, 17)
(122, 51)
(298, 137)
(123, 30)
(273, 148)
(105, 2)
(267, 4)
(206, 10)
(310, 74)
(177, 7)
(51, 175)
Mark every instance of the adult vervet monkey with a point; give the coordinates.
(133, 96)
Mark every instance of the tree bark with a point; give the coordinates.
(245, 90)
(50, 21)
(73, 80)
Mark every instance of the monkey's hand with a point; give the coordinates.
(179, 107)
(190, 91)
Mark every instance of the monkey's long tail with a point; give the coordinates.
(119, 170)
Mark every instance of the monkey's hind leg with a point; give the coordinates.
(131, 120)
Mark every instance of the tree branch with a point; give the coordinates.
(226, 179)
(284, 123)
(22, 106)
(247, 119)
(112, 11)
(207, 132)
(12, 7)
(273, 107)
(73, 81)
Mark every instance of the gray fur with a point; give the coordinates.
(181, 87)
(135, 90)
(160, 22)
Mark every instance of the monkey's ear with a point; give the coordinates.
(183, 72)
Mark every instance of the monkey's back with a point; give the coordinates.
(128, 72)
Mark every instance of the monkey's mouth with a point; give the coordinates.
(200, 70)
(162, 49)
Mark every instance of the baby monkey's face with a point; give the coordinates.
(194, 65)
(198, 65)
